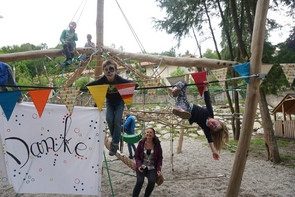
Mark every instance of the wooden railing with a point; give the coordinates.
(285, 128)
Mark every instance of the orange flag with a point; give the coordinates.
(126, 91)
(98, 93)
(39, 98)
(199, 77)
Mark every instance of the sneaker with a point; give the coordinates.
(181, 113)
(113, 149)
(131, 157)
(69, 61)
(175, 91)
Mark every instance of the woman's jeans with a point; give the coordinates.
(113, 117)
(151, 176)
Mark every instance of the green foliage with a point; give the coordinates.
(81, 82)
(210, 54)
(178, 72)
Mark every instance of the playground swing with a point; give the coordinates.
(131, 138)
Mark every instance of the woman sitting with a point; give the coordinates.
(148, 157)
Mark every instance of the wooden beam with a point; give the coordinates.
(172, 61)
(99, 37)
(28, 55)
(251, 100)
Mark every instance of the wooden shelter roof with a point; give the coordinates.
(289, 104)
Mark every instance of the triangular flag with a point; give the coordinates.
(289, 70)
(69, 95)
(126, 91)
(243, 70)
(220, 75)
(98, 93)
(39, 98)
(8, 101)
(200, 77)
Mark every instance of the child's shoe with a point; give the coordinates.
(181, 113)
(175, 91)
(131, 157)
(113, 149)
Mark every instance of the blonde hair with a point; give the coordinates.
(220, 136)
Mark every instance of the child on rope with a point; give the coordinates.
(68, 38)
(216, 132)
(114, 102)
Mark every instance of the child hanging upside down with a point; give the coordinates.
(216, 132)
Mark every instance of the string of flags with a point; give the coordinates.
(40, 97)
(289, 71)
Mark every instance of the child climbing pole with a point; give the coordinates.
(215, 131)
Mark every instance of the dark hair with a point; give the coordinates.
(156, 140)
(109, 62)
(73, 23)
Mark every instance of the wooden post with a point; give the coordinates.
(251, 99)
(99, 37)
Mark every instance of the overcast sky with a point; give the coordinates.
(42, 21)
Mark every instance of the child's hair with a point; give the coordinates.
(109, 62)
(220, 136)
(73, 23)
(156, 140)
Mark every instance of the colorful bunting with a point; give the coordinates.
(200, 77)
(289, 70)
(69, 95)
(151, 92)
(8, 101)
(220, 75)
(98, 93)
(126, 91)
(243, 70)
(39, 98)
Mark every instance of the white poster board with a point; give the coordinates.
(56, 153)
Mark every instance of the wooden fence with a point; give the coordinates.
(285, 128)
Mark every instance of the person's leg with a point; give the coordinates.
(67, 51)
(72, 50)
(110, 120)
(130, 150)
(139, 181)
(152, 177)
(183, 106)
(118, 112)
(134, 148)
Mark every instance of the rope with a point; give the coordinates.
(145, 88)
(81, 11)
(194, 178)
(119, 172)
(132, 30)
(63, 70)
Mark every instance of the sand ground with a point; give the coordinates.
(195, 173)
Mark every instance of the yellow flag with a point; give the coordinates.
(98, 93)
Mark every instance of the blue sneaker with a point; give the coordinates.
(69, 61)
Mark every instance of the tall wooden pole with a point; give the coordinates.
(99, 37)
(251, 99)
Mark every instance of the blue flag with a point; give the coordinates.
(8, 101)
(243, 70)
